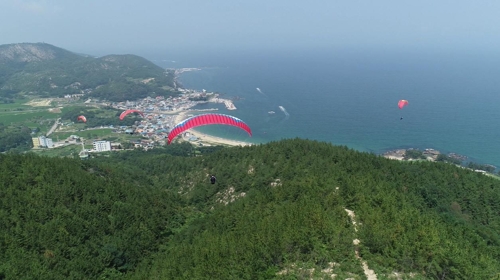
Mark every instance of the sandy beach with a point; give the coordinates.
(208, 140)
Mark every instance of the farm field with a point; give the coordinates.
(66, 151)
(41, 114)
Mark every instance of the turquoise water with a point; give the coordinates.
(351, 99)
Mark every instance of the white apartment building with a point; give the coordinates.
(102, 146)
(43, 141)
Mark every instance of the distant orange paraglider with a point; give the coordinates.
(402, 103)
(126, 112)
(82, 118)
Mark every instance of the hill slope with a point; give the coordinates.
(44, 70)
(277, 211)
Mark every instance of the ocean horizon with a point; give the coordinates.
(350, 98)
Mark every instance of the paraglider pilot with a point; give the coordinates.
(212, 179)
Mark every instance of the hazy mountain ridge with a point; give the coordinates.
(44, 70)
(31, 52)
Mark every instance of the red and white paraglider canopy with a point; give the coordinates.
(207, 119)
(82, 118)
(402, 103)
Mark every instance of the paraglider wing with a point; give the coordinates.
(82, 118)
(402, 103)
(207, 119)
(126, 112)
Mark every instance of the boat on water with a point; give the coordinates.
(284, 111)
(271, 112)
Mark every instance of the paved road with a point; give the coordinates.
(53, 127)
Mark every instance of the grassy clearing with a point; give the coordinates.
(19, 103)
(34, 117)
(19, 113)
(96, 134)
(66, 151)
(40, 102)
(120, 137)
(87, 134)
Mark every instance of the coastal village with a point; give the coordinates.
(160, 115)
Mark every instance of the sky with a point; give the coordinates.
(127, 26)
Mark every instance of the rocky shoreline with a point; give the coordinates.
(413, 154)
(430, 154)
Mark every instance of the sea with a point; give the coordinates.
(350, 98)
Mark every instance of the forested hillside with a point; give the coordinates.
(15, 139)
(279, 210)
(44, 70)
